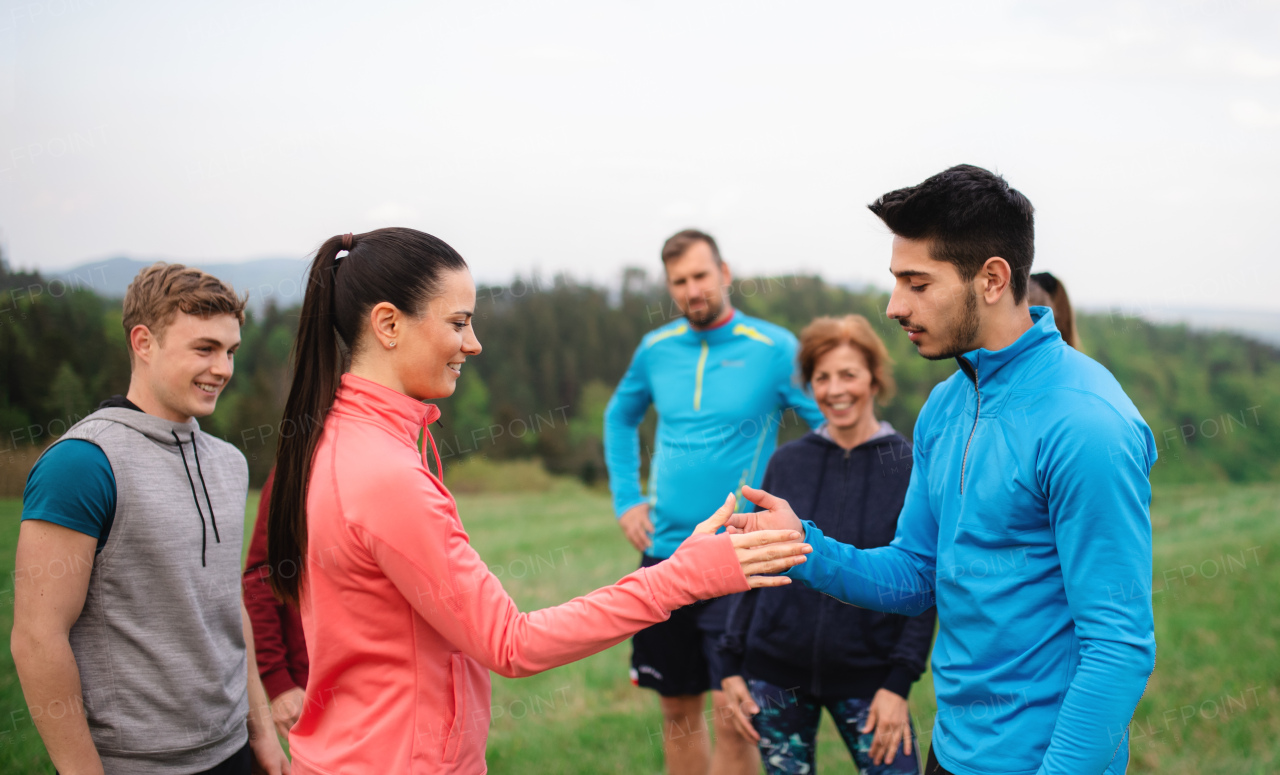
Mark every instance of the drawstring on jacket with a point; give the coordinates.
(204, 533)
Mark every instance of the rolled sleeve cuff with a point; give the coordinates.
(730, 664)
(277, 681)
(900, 680)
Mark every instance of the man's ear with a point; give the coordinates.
(994, 278)
(141, 342)
(726, 274)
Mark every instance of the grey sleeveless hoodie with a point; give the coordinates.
(159, 643)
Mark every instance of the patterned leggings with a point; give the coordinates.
(788, 727)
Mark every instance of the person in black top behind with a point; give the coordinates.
(790, 651)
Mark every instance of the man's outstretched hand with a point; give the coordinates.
(764, 552)
(776, 514)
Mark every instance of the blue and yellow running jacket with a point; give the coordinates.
(720, 395)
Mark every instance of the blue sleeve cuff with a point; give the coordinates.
(620, 510)
(812, 569)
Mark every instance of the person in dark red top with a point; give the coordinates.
(277, 628)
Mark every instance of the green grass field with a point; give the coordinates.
(1213, 705)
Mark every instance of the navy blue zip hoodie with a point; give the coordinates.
(796, 637)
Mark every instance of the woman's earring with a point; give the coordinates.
(392, 343)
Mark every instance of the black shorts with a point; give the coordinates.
(932, 767)
(679, 656)
(240, 763)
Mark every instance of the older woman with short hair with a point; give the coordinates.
(791, 651)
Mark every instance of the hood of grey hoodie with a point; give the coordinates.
(154, 428)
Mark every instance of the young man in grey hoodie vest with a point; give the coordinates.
(130, 638)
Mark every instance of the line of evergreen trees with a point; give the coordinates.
(554, 350)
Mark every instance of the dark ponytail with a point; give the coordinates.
(400, 266)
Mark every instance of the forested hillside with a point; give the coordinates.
(553, 350)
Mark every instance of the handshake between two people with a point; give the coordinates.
(766, 542)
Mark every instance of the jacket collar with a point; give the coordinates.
(986, 367)
(721, 333)
(740, 326)
(883, 430)
(401, 415)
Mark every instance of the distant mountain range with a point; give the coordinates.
(263, 278)
(1263, 326)
(281, 279)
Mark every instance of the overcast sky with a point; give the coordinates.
(577, 136)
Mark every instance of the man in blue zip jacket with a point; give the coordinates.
(720, 381)
(1027, 516)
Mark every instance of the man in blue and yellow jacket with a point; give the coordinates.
(1027, 518)
(720, 381)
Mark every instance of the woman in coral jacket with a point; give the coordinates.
(403, 620)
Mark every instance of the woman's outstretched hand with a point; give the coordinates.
(762, 551)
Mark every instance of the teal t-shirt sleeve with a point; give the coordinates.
(73, 485)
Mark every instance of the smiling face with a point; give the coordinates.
(698, 284)
(429, 353)
(844, 388)
(181, 373)
(936, 307)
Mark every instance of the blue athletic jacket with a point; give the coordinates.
(1027, 519)
(720, 395)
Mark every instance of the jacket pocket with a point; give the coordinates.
(459, 678)
(783, 625)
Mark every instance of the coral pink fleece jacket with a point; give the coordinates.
(404, 621)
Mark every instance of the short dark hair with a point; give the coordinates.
(968, 215)
(678, 243)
